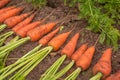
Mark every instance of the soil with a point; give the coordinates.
(86, 36)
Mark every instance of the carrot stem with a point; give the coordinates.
(53, 69)
(97, 76)
(3, 37)
(2, 27)
(64, 70)
(74, 74)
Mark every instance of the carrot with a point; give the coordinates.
(6, 9)
(23, 31)
(47, 38)
(70, 47)
(10, 13)
(3, 3)
(59, 40)
(104, 64)
(85, 60)
(23, 23)
(12, 21)
(40, 31)
(115, 76)
(79, 52)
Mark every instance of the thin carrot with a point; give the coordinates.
(71, 45)
(3, 3)
(59, 40)
(10, 13)
(47, 38)
(3, 10)
(103, 65)
(79, 52)
(23, 23)
(85, 60)
(23, 31)
(40, 31)
(12, 21)
(115, 76)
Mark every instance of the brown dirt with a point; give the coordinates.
(86, 36)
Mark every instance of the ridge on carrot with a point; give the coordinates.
(3, 3)
(103, 67)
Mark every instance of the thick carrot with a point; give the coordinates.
(59, 40)
(71, 45)
(115, 76)
(3, 3)
(79, 52)
(40, 31)
(6, 9)
(23, 31)
(10, 13)
(85, 60)
(47, 38)
(12, 21)
(104, 63)
(23, 23)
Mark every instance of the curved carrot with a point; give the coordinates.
(10, 13)
(12, 21)
(79, 52)
(59, 40)
(104, 63)
(85, 60)
(23, 23)
(23, 31)
(115, 76)
(47, 38)
(71, 45)
(40, 31)
(3, 3)
(3, 10)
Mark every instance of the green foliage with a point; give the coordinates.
(38, 3)
(101, 16)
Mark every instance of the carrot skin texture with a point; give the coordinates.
(23, 31)
(104, 63)
(79, 52)
(38, 32)
(23, 23)
(85, 60)
(12, 21)
(48, 37)
(115, 76)
(3, 10)
(3, 3)
(59, 40)
(10, 13)
(71, 45)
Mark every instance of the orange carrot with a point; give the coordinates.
(3, 3)
(71, 45)
(6, 9)
(59, 40)
(79, 52)
(47, 38)
(40, 31)
(23, 23)
(115, 76)
(23, 31)
(12, 21)
(85, 60)
(104, 63)
(10, 13)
